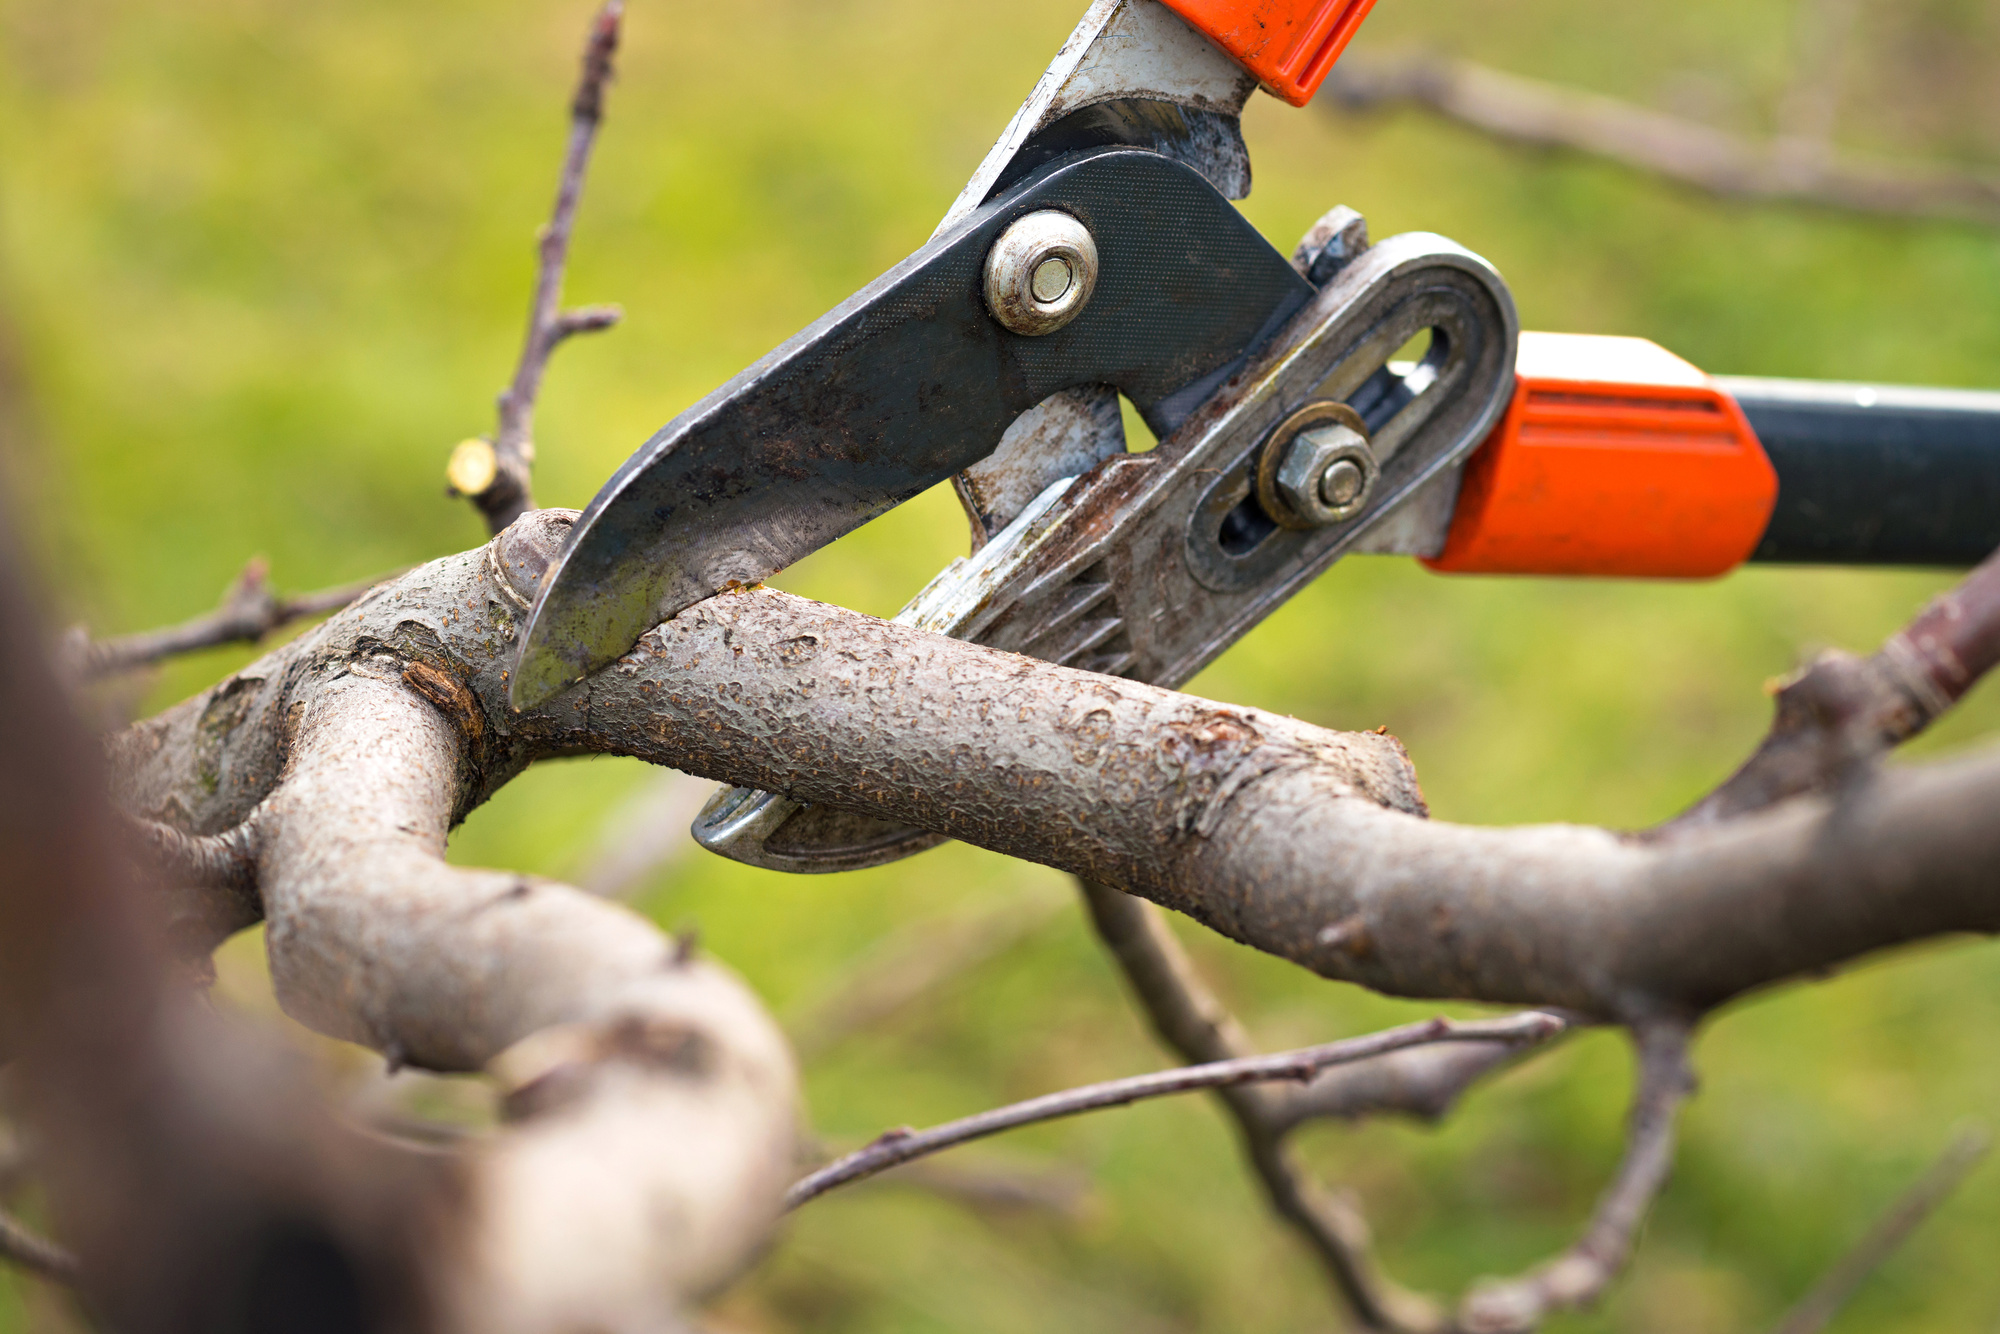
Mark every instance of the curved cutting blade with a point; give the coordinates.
(901, 386)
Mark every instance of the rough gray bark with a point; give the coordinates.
(1302, 842)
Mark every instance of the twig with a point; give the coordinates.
(496, 474)
(1843, 711)
(34, 1252)
(1579, 1275)
(1194, 1024)
(249, 611)
(1525, 111)
(902, 1145)
(1818, 1307)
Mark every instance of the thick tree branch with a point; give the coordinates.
(496, 475)
(1304, 843)
(1818, 1307)
(250, 610)
(901, 1146)
(1524, 111)
(651, 1101)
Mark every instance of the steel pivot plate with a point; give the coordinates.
(1149, 565)
(899, 387)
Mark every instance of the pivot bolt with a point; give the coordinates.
(1317, 468)
(1040, 273)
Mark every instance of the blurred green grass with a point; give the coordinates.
(264, 263)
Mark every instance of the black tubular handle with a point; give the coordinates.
(1876, 474)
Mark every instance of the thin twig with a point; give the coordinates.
(1578, 1276)
(496, 474)
(1842, 712)
(249, 611)
(34, 1252)
(902, 1145)
(1819, 1306)
(1193, 1022)
(1525, 111)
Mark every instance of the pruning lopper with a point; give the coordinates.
(1350, 397)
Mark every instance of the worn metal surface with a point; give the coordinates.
(901, 386)
(1150, 565)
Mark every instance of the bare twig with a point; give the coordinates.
(1579, 1275)
(249, 611)
(1191, 1021)
(1818, 1307)
(1842, 711)
(496, 474)
(1525, 111)
(900, 1146)
(34, 1252)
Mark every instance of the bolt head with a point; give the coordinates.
(1040, 273)
(1341, 482)
(1324, 476)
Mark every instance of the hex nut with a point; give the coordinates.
(1040, 273)
(1317, 468)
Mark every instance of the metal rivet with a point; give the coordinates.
(1052, 279)
(1317, 468)
(1040, 273)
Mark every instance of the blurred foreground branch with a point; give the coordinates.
(1526, 111)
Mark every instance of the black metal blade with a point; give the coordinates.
(900, 386)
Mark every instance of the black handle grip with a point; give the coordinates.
(1876, 474)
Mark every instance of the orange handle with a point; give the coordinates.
(1615, 458)
(1288, 44)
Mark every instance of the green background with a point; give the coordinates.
(262, 264)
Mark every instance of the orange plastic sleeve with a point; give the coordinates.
(1288, 44)
(1615, 458)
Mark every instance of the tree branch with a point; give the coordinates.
(1301, 842)
(1579, 1276)
(1842, 712)
(1818, 1307)
(496, 475)
(900, 1146)
(250, 610)
(1524, 111)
